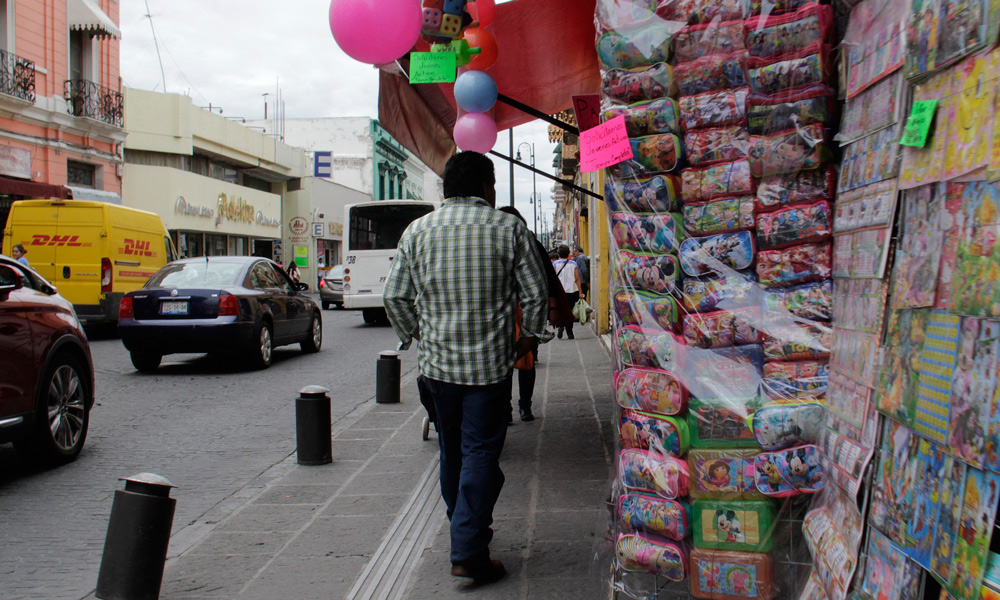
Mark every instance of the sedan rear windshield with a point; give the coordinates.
(206, 274)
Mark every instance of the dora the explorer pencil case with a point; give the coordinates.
(651, 390)
(742, 525)
(653, 514)
(723, 474)
(652, 554)
(657, 433)
(646, 309)
(644, 471)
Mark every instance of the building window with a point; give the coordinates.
(4, 28)
(255, 183)
(81, 51)
(81, 174)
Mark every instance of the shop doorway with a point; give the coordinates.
(263, 248)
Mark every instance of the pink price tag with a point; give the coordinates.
(604, 145)
(587, 109)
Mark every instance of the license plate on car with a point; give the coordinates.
(174, 308)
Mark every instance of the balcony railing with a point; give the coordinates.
(17, 76)
(88, 99)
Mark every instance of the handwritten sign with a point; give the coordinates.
(587, 108)
(604, 145)
(433, 67)
(918, 126)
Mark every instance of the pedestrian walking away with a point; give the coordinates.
(17, 252)
(453, 286)
(583, 263)
(569, 277)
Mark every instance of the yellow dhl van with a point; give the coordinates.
(93, 252)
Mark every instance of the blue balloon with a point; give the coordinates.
(475, 91)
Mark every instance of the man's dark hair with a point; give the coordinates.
(466, 173)
(563, 251)
(579, 248)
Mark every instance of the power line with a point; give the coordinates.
(149, 16)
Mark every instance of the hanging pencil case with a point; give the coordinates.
(713, 109)
(695, 41)
(711, 73)
(727, 290)
(658, 434)
(654, 311)
(719, 144)
(812, 105)
(657, 152)
(743, 525)
(722, 328)
(649, 194)
(719, 216)
(728, 575)
(796, 380)
(651, 272)
(702, 11)
(780, 190)
(780, 425)
(652, 514)
(787, 151)
(714, 181)
(733, 372)
(805, 67)
(716, 253)
(614, 15)
(723, 474)
(634, 46)
(794, 225)
(652, 554)
(639, 83)
(812, 301)
(788, 472)
(720, 423)
(652, 233)
(647, 118)
(642, 471)
(651, 390)
(774, 7)
(798, 264)
(768, 36)
(648, 348)
(785, 339)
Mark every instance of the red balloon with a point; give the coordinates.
(484, 40)
(483, 11)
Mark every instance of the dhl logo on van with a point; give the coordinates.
(58, 240)
(136, 248)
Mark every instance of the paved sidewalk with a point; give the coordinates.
(371, 524)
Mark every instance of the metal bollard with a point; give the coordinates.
(312, 426)
(135, 548)
(388, 371)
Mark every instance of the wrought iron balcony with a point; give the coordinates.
(88, 99)
(17, 76)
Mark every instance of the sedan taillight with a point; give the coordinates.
(322, 283)
(229, 306)
(125, 310)
(105, 274)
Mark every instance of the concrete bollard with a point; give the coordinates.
(312, 426)
(388, 370)
(135, 548)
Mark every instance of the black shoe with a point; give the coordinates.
(559, 333)
(526, 415)
(570, 336)
(483, 573)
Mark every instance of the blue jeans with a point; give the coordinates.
(471, 428)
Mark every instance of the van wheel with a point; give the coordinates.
(375, 316)
(61, 414)
(314, 340)
(327, 305)
(145, 362)
(262, 347)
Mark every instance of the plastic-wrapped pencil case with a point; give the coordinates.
(645, 232)
(729, 575)
(651, 390)
(639, 83)
(656, 433)
(796, 224)
(727, 290)
(653, 514)
(785, 339)
(651, 272)
(719, 216)
(787, 151)
(798, 379)
(720, 423)
(694, 41)
(702, 11)
(798, 264)
(774, 7)
(714, 181)
(722, 328)
(657, 152)
(812, 105)
(645, 471)
(808, 301)
(713, 109)
(784, 424)
(790, 32)
(648, 348)
(743, 525)
(723, 474)
(719, 144)
(636, 307)
(789, 472)
(719, 373)
(652, 554)
(612, 14)
(780, 190)
(648, 194)
(647, 118)
(716, 253)
(641, 44)
(711, 73)
(805, 67)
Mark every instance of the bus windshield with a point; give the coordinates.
(379, 227)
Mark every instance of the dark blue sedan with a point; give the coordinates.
(219, 304)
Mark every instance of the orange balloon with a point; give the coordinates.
(484, 40)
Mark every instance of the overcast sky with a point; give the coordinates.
(228, 53)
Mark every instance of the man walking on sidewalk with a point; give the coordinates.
(452, 287)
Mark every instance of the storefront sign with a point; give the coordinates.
(302, 256)
(267, 221)
(15, 162)
(298, 226)
(336, 228)
(604, 145)
(235, 209)
(587, 109)
(317, 229)
(183, 207)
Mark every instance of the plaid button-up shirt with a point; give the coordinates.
(457, 274)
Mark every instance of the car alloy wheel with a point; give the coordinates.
(67, 407)
(266, 345)
(314, 341)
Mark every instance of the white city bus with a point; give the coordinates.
(373, 231)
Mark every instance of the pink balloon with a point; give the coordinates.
(476, 132)
(375, 31)
(483, 11)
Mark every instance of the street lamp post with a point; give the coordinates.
(534, 195)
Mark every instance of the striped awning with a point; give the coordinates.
(87, 16)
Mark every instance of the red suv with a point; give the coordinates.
(46, 373)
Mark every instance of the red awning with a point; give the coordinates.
(546, 55)
(31, 189)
